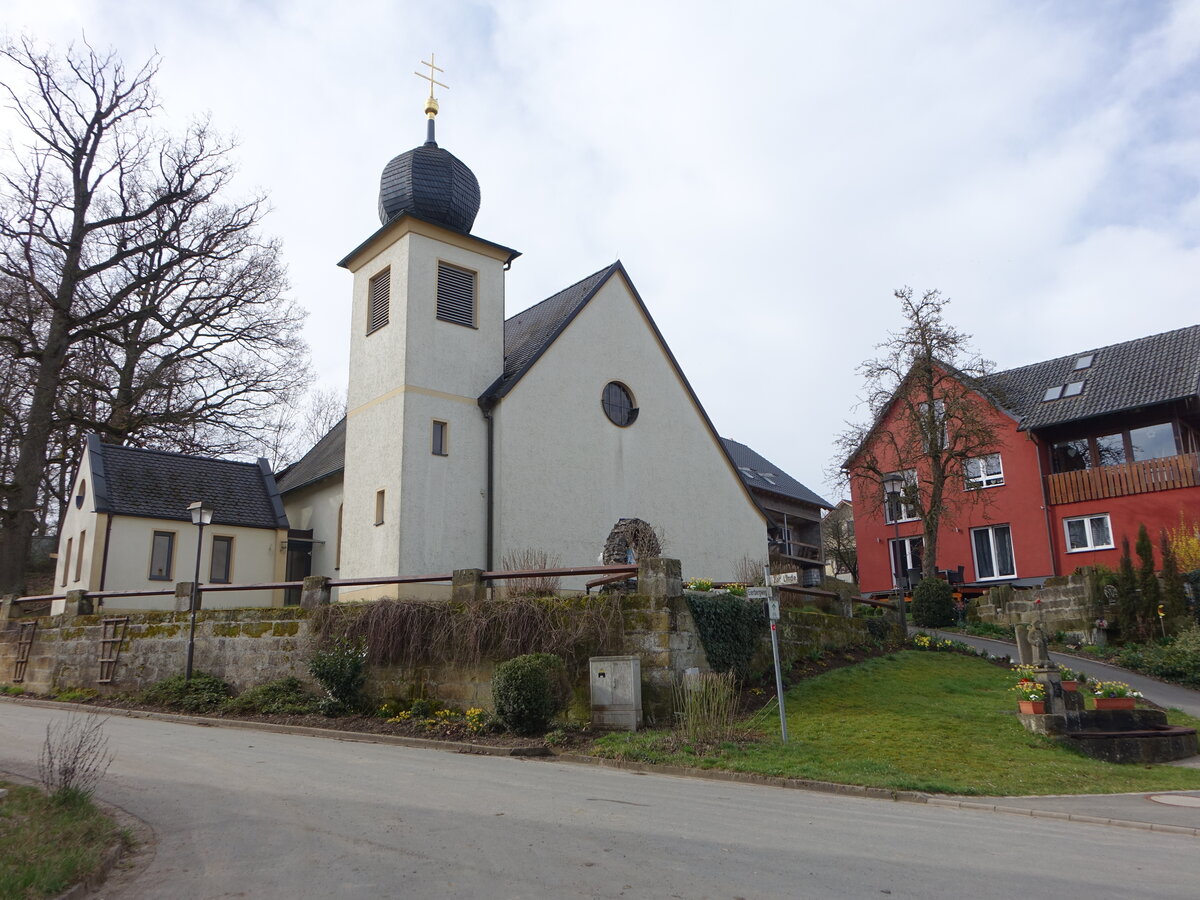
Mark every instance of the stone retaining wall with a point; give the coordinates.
(247, 647)
(1070, 604)
(244, 647)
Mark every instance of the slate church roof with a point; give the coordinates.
(1144, 372)
(529, 333)
(132, 481)
(761, 474)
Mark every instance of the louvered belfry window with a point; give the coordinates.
(456, 295)
(379, 290)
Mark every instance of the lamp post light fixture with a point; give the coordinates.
(202, 514)
(893, 487)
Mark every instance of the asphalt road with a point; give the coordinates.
(1165, 695)
(253, 814)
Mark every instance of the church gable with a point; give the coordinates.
(602, 425)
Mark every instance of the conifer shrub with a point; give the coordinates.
(529, 691)
(933, 604)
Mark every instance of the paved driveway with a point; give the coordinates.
(253, 814)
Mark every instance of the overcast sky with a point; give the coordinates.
(768, 172)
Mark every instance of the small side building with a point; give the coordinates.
(127, 527)
(793, 512)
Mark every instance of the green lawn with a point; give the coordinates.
(45, 847)
(938, 722)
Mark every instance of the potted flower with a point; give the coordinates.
(1114, 695)
(1071, 679)
(1031, 696)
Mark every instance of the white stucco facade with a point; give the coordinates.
(566, 473)
(100, 551)
(407, 508)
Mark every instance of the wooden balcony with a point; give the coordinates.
(1165, 474)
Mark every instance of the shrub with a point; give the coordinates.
(202, 694)
(990, 629)
(528, 691)
(74, 758)
(730, 629)
(341, 669)
(705, 705)
(531, 559)
(933, 604)
(1177, 660)
(283, 697)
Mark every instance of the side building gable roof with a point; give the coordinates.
(327, 457)
(156, 484)
(1146, 371)
(760, 473)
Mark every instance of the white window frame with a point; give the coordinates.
(991, 531)
(983, 479)
(908, 513)
(1090, 534)
(913, 562)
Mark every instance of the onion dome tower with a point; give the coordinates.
(428, 182)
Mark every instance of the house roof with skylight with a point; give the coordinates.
(1144, 372)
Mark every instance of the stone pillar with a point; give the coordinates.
(183, 597)
(660, 579)
(8, 610)
(315, 592)
(1024, 652)
(78, 604)
(467, 586)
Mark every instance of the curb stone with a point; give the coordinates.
(545, 754)
(108, 860)
(307, 730)
(1060, 816)
(803, 784)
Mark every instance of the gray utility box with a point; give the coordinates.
(616, 683)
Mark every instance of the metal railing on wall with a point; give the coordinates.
(610, 573)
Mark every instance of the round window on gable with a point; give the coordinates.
(81, 495)
(618, 404)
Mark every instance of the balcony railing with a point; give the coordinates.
(797, 550)
(1165, 474)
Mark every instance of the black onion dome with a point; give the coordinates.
(432, 184)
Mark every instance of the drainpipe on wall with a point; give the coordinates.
(486, 407)
(104, 557)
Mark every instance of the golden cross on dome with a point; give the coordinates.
(431, 105)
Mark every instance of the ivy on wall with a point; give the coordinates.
(730, 629)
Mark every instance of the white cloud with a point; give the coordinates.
(768, 172)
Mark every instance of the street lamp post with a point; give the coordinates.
(893, 486)
(202, 515)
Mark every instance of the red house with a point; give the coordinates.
(1089, 446)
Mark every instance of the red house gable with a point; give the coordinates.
(1088, 447)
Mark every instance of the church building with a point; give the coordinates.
(470, 438)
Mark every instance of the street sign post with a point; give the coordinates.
(766, 596)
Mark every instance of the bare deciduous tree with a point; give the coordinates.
(926, 386)
(138, 300)
(837, 531)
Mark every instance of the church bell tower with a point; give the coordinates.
(426, 340)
